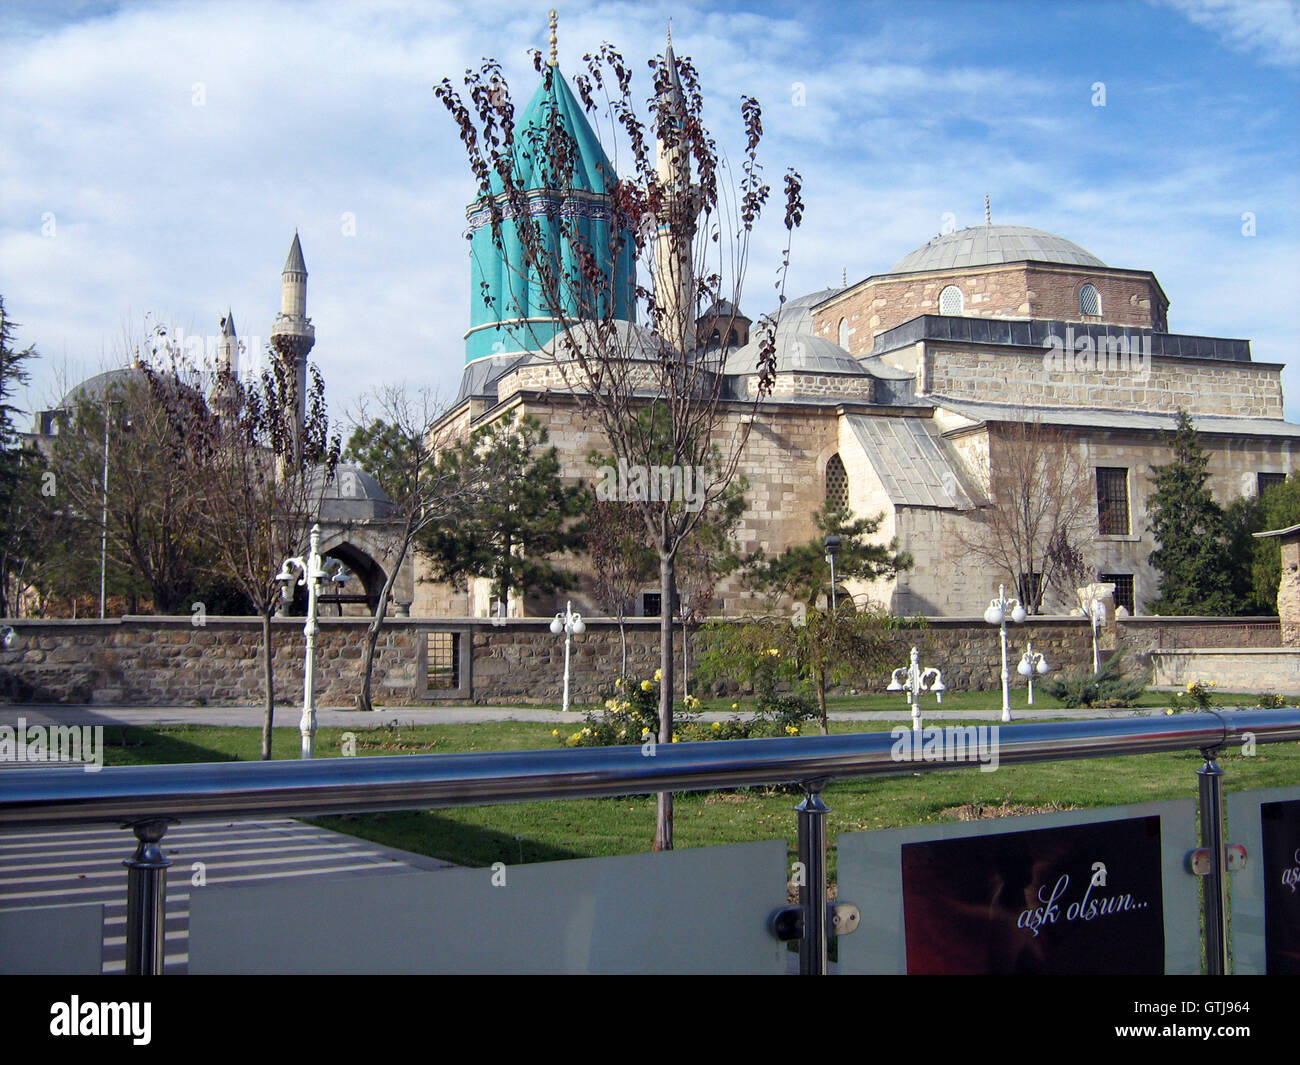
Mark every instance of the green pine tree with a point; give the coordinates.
(1277, 508)
(524, 515)
(1193, 559)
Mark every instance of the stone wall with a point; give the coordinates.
(1199, 386)
(1245, 669)
(146, 661)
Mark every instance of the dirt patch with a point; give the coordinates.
(978, 811)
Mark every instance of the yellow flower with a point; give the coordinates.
(645, 732)
(792, 730)
(659, 674)
(1168, 712)
(611, 704)
(735, 706)
(691, 702)
(676, 737)
(774, 652)
(717, 725)
(646, 685)
(618, 683)
(555, 732)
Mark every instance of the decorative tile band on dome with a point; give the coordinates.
(596, 209)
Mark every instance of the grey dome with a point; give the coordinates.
(351, 495)
(96, 389)
(983, 245)
(798, 349)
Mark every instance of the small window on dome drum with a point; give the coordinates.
(951, 301)
(1090, 301)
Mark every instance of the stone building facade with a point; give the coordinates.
(899, 382)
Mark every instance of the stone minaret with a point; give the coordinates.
(292, 335)
(227, 368)
(674, 281)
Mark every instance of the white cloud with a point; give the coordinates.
(1269, 28)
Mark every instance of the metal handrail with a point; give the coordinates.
(148, 798)
(68, 796)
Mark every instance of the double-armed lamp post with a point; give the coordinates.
(308, 571)
(999, 610)
(571, 624)
(1032, 662)
(915, 681)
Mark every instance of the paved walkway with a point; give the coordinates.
(53, 866)
(335, 717)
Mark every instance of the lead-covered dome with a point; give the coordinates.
(985, 245)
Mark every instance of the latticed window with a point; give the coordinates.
(1112, 501)
(837, 483)
(1123, 583)
(1265, 481)
(951, 301)
(442, 659)
(1090, 301)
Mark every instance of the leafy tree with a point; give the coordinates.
(524, 513)
(20, 469)
(1192, 559)
(403, 451)
(802, 572)
(1277, 508)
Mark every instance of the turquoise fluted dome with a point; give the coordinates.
(515, 318)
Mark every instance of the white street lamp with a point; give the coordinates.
(571, 624)
(308, 571)
(832, 549)
(1094, 609)
(917, 680)
(997, 613)
(1030, 663)
(8, 637)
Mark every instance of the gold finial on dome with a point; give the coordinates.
(553, 61)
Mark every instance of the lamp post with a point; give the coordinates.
(103, 515)
(571, 624)
(1094, 608)
(917, 680)
(996, 614)
(1030, 663)
(8, 637)
(308, 571)
(832, 549)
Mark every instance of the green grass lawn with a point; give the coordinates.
(546, 831)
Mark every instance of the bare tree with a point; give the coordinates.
(1035, 529)
(679, 214)
(621, 561)
(263, 459)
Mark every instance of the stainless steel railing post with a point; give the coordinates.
(1214, 893)
(146, 897)
(812, 893)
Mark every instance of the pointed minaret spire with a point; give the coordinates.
(988, 211)
(554, 60)
(222, 396)
(844, 277)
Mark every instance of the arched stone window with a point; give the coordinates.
(1090, 301)
(844, 333)
(951, 301)
(837, 482)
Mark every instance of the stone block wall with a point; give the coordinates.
(146, 661)
(1199, 386)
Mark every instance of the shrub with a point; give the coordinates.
(1110, 686)
(1270, 701)
(630, 715)
(1197, 696)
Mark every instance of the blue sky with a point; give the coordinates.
(158, 156)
